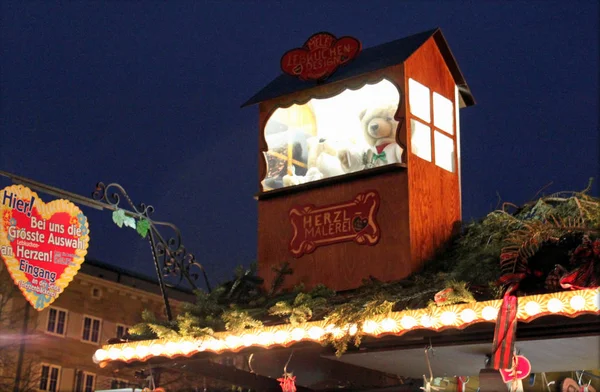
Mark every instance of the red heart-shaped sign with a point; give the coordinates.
(520, 370)
(43, 245)
(320, 56)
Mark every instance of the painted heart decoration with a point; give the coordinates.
(42, 244)
(520, 370)
(320, 56)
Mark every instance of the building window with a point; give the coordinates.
(57, 321)
(91, 329)
(122, 330)
(49, 378)
(96, 293)
(85, 382)
(118, 384)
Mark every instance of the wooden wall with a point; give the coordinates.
(434, 194)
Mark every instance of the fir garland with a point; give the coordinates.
(559, 230)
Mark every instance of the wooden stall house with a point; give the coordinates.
(359, 159)
(359, 173)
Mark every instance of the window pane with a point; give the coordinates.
(44, 378)
(95, 331)
(87, 323)
(443, 116)
(79, 382)
(51, 320)
(89, 383)
(53, 380)
(60, 325)
(120, 331)
(420, 140)
(328, 137)
(418, 100)
(444, 151)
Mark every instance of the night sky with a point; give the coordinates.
(147, 94)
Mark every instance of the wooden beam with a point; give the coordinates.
(314, 371)
(235, 376)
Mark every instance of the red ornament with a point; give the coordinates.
(287, 382)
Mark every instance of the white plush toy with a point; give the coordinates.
(322, 162)
(379, 126)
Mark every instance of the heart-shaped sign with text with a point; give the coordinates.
(43, 245)
(320, 56)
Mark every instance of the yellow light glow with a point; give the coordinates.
(114, 353)
(265, 338)
(281, 337)
(577, 302)
(128, 352)
(573, 303)
(156, 349)
(388, 325)
(555, 305)
(353, 330)
(426, 321)
(532, 308)
(489, 313)
(448, 318)
(370, 326)
(100, 355)
(315, 333)
(298, 334)
(171, 348)
(249, 339)
(468, 315)
(408, 322)
(233, 341)
(187, 347)
(142, 351)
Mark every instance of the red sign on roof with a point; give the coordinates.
(320, 56)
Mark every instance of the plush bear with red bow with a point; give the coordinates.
(380, 127)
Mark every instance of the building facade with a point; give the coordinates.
(52, 350)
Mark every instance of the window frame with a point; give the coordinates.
(58, 310)
(119, 381)
(92, 319)
(433, 128)
(49, 378)
(84, 377)
(125, 330)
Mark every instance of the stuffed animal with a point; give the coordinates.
(379, 127)
(322, 162)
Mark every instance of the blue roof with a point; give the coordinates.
(369, 60)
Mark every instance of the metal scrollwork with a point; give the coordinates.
(171, 258)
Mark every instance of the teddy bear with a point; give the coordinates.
(379, 127)
(322, 162)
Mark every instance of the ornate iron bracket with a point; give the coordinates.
(171, 258)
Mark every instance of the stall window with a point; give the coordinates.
(49, 378)
(57, 321)
(91, 329)
(352, 131)
(421, 103)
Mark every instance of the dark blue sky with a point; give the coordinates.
(147, 94)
